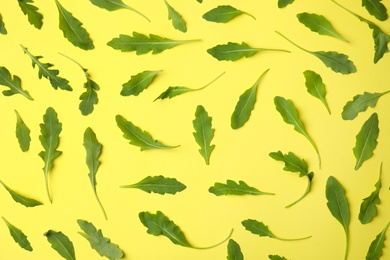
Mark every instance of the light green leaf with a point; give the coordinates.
(204, 133)
(14, 83)
(138, 137)
(223, 14)
(61, 243)
(376, 8)
(18, 236)
(177, 20)
(27, 202)
(2, 26)
(72, 29)
(316, 87)
(50, 132)
(33, 16)
(276, 257)
(233, 188)
(234, 251)
(22, 133)
(377, 245)
(112, 5)
(139, 83)
(284, 3)
(158, 184)
(366, 140)
(360, 103)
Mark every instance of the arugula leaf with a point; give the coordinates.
(276, 257)
(93, 149)
(159, 224)
(27, 202)
(14, 83)
(33, 16)
(204, 133)
(234, 251)
(260, 229)
(245, 105)
(18, 236)
(319, 24)
(2, 26)
(142, 44)
(316, 87)
(138, 137)
(337, 62)
(158, 184)
(98, 242)
(366, 140)
(50, 132)
(360, 103)
(177, 20)
(233, 188)
(112, 5)
(284, 3)
(45, 71)
(22, 133)
(223, 14)
(376, 8)
(338, 206)
(233, 51)
(200, 1)
(368, 206)
(289, 113)
(61, 243)
(72, 29)
(376, 246)
(176, 91)
(139, 83)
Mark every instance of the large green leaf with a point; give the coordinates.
(158, 184)
(34, 17)
(27, 202)
(377, 245)
(223, 14)
(22, 133)
(14, 83)
(376, 8)
(360, 103)
(234, 188)
(139, 83)
(316, 87)
(204, 133)
(177, 20)
(18, 236)
(61, 243)
(234, 251)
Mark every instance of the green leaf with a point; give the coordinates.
(159, 224)
(284, 3)
(18, 236)
(245, 105)
(112, 5)
(376, 246)
(338, 206)
(14, 83)
(289, 113)
(368, 206)
(50, 132)
(139, 83)
(2, 26)
(61, 243)
(93, 149)
(376, 8)
(143, 44)
(33, 16)
(276, 257)
(72, 29)
(223, 14)
(177, 20)
(45, 71)
(319, 24)
(98, 242)
(233, 188)
(139, 137)
(27, 202)
(316, 87)
(366, 140)
(204, 133)
(233, 51)
(260, 229)
(158, 184)
(22, 133)
(360, 103)
(234, 251)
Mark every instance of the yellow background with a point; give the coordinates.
(239, 154)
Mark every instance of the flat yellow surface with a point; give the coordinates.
(239, 154)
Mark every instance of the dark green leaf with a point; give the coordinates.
(61, 243)
(316, 87)
(112, 5)
(27, 202)
(18, 236)
(22, 133)
(360, 103)
(177, 20)
(276, 257)
(376, 8)
(98, 242)
(284, 3)
(223, 14)
(14, 83)
(376, 247)
(2, 26)
(233, 188)
(200, 1)
(366, 140)
(204, 133)
(33, 16)
(139, 83)
(158, 184)
(138, 137)
(72, 29)
(234, 251)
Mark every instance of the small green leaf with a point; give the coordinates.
(360, 103)
(233, 188)
(366, 140)
(376, 8)
(204, 133)
(98, 242)
(22, 133)
(27, 202)
(61, 243)
(316, 87)
(112, 5)
(139, 83)
(177, 20)
(276, 257)
(377, 245)
(72, 29)
(234, 251)
(284, 3)
(14, 83)
(158, 184)
(2, 26)
(33, 16)
(18, 236)
(223, 14)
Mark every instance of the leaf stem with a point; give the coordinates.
(47, 186)
(84, 70)
(304, 194)
(211, 82)
(293, 239)
(249, 15)
(101, 205)
(296, 45)
(217, 244)
(137, 12)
